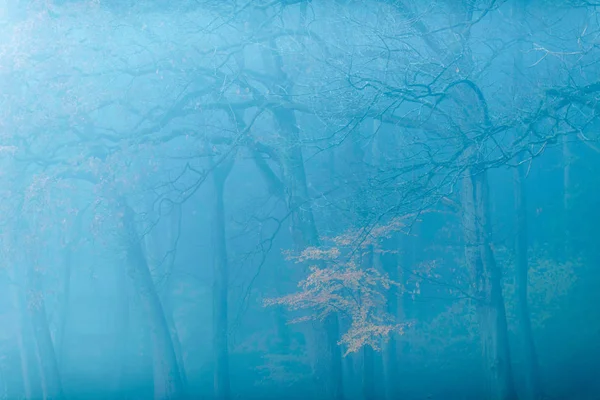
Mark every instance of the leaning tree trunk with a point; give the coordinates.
(167, 380)
(490, 309)
(162, 251)
(174, 232)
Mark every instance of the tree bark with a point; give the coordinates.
(49, 372)
(368, 380)
(530, 365)
(22, 333)
(490, 309)
(220, 287)
(304, 234)
(531, 368)
(167, 380)
(64, 305)
(567, 198)
(326, 355)
(394, 308)
(173, 233)
(163, 249)
(122, 335)
(369, 373)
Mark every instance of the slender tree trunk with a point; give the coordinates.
(394, 308)
(164, 250)
(21, 329)
(368, 379)
(490, 307)
(167, 380)
(351, 380)
(220, 288)
(369, 373)
(176, 342)
(19, 304)
(49, 372)
(281, 324)
(531, 369)
(567, 198)
(121, 344)
(174, 232)
(64, 306)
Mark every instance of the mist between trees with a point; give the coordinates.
(293, 199)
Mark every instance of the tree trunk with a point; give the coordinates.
(491, 313)
(220, 288)
(173, 233)
(530, 365)
(121, 338)
(19, 304)
(49, 372)
(326, 355)
(304, 234)
(368, 373)
(167, 381)
(163, 249)
(176, 342)
(22, 333)
(64, 305)
(567, 198)
(284, 339)
(368, 380)
(394, 308)
(529, 352)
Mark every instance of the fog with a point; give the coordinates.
(296, 199)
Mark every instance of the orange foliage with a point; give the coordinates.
(342, 280)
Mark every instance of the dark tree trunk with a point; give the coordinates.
(325, 353)
(490, 307)
(328, 359)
